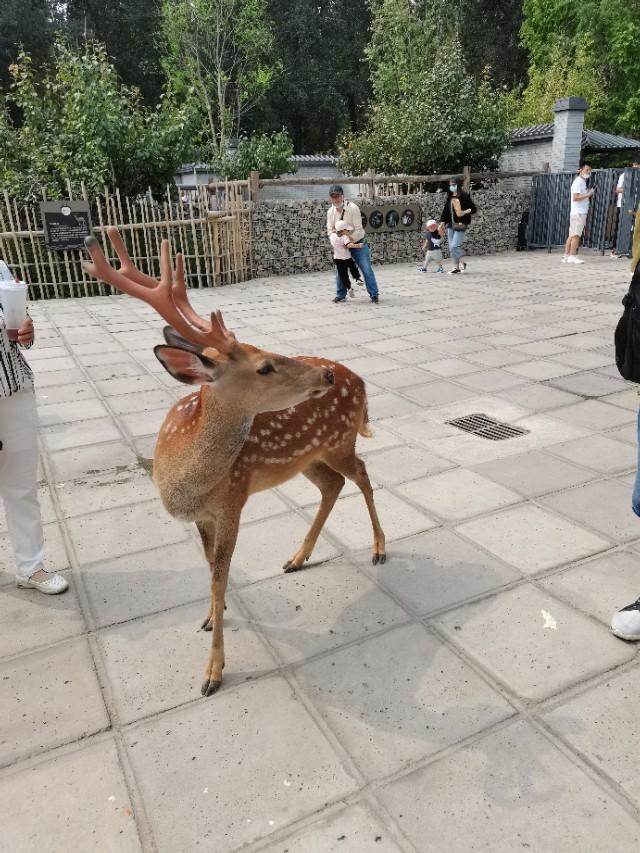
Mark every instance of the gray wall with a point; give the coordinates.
(526, 156)
(290, 237)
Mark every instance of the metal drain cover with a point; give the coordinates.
(485, 426)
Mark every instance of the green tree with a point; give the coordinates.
(267, 153)
(129, 30)
(323, 85)
(221, 53)
(490, 37)
(24, 25)
(428, 114)
(82, 125)
(570, 70)
(611, 28)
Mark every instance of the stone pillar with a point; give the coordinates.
(567, 134)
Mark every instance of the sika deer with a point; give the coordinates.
(257, 420)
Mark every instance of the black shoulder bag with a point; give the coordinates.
(627, 336)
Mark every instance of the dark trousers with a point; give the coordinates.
(616, 221)
(344, 267)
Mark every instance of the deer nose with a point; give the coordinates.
(328, 375)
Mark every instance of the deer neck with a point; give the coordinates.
(200, 442)
(224, 427)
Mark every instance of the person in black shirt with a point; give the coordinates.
(432, 247)
(456, 217)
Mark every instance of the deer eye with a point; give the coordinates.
(266, 368)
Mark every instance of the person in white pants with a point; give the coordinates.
(19, 464)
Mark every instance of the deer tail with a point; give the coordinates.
(364, 429)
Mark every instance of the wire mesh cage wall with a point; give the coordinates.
(212, 231)
(550, 209)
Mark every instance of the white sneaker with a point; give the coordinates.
(573, 260)
(626, 622)
(564, 259)
(54, 584)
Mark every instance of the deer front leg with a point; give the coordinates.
(207, 531)
(226, 535)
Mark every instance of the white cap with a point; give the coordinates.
(341, 225)
(5, 272)
(431, 222)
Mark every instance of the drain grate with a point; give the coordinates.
(485, 426)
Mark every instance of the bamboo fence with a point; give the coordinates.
(210, 226)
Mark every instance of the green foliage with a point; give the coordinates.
(222, 51)
(323, 83)
(82, 126)
(128, 29)
(428, 114)
(269, 154)
(603, 37)
(572, 69)
(24, 25)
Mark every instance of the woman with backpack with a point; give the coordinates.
(456, 218)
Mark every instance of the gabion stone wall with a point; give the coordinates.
(289, 236)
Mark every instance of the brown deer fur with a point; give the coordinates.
(257, 420)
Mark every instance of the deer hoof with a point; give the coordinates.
(378, 558)
(210, 687)
(290, 567)
(207, 625)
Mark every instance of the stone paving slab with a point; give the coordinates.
(464, 696)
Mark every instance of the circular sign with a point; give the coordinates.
(65, 210)
(408, 217)
(376, 219)
(392, 219)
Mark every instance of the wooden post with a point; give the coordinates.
(371, 184)
(254, 186)
(466, 179)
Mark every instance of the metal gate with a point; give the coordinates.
(550, 204)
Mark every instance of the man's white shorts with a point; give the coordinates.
(577, 222)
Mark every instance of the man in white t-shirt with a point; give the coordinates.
(619, 193)
(580, 198)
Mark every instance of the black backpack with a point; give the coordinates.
(627, 337)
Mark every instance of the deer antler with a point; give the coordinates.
(168, 294)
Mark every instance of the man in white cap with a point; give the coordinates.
(349, 212)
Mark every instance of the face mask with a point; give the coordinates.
(453, 188)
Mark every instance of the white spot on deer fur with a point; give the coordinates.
(344, 392)
(179, 407)
(333, 408)
(304, 427)
(297, 435)
(265, 432)
(288, 436)
(315, 442)
(356, 399)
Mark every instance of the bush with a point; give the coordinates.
(269, 154)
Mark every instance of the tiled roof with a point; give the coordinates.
(592, 140)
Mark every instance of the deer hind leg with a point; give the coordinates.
(354, 469)
(207, 531)
(330, 483)
(225, 542)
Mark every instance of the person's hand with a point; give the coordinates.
(25, 333)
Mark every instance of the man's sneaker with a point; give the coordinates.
(573, 260)
(614, 255)
(564, 259)
(352, 292)
(339, 299)
(463, 266)
(454, 271)
(440, 269)
(359, 281)
(374, 299)
(422, 269)
(626, 622)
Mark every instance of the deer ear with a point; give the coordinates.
(175, 339)
(187, 366)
